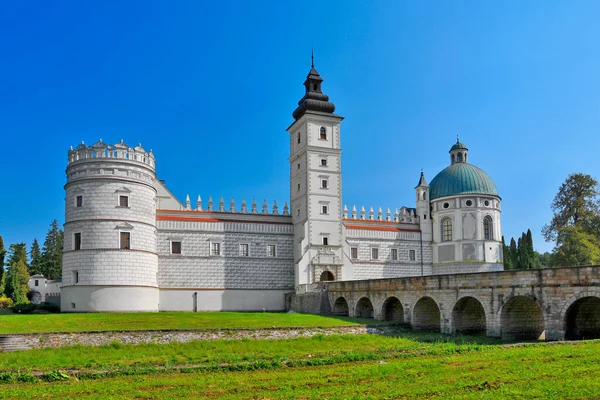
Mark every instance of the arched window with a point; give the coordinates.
(466, 157)
(424, 196)
(446, 230)
(323, 133)
(459, 157)
(488, 228)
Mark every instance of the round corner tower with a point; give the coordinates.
(110, 261)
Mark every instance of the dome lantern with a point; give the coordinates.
(458, 152)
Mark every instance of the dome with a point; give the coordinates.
(458, 145)
(461, 178)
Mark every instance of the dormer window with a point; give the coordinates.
(323, 133)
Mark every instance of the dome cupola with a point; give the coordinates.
(314, 99)
(458, 152)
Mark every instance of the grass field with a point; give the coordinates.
(361, 366)
(102, 322)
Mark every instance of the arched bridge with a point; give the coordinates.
(550, 304)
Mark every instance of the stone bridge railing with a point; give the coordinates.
(550, 304)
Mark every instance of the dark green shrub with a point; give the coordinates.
(24, 308)
(50, 307)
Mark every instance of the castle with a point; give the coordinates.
(131, 245)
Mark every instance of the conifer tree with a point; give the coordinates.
(51, 259)
(514, 255)
(19, 281)
(506, 255)
(2, 255)
(35, 255)
(530, 251)
(521, 253)
(17, 254)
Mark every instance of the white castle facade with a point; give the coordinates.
(131, 245)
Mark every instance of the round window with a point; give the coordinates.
(469, 203)
(446, 205)
(487, 203)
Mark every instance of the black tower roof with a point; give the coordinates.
(314, 99)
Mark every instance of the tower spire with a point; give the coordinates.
(312, 57)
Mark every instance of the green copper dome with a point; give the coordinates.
(461, 178)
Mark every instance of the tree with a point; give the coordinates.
(575, 247)
(543, 260)
(576, 205)
(506, 255)
(19, 281)
(17, 254)
(514, 255)
(529, 250)
(51, 259)
(2, 255)
(35, 254)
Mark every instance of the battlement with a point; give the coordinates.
(116, 151)
(406, 215)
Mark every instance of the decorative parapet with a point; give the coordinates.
(117, 151)
(233, 209)
(406, 215)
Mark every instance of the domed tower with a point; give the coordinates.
(465, 211)
(110, 262)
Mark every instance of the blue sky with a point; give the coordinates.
(210, 87)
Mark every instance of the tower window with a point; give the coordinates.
(77, 241)
(75, 278)
(79, 201)
(394, 254)
(325, 241)
(424, 196)
(459, 157)
(298, 166)
(123, 201)
(324, 209)
(125, 240)
(324, 183)
(488, 228)
(315, 86)
(323, 133)
(298, 137)
(354, 253)
(298, 188)
(446, 230)
(175, 247)
(323, 162)
(374, 253)
(298, 212)
(215, 249)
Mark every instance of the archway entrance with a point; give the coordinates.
(326, 276)
(364, 308)
(393, 310)
(583, 319)
(340, 307)
(522, 318)
(426, 315)
(468, 317)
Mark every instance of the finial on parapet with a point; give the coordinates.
(232, 206)
(363, 213)
(396, 216)
(371, 214)
(188, 204)
(353, 212)
(254, 211)
(265, 207)
(210, 203)
(379, 214)
(244, 210)
(345, 211)
(286, 209)
(275, 208)
(221, 204)
(388, 215)
(199, 204)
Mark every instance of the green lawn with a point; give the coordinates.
(100, 322)
(361, 366)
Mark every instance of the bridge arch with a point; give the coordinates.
(521, 318)
(392, 310)
(340, 307)
(426, 315)
(364, 308)
(582, 317)
(469, 317)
